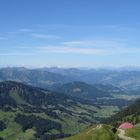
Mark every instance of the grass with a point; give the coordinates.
(17, 98)
(29, 134)
(70, 124)
(92, 133)
(13, 130)
(134, 132)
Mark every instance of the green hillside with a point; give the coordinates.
(28, 112)
(83, 90)
(134, 132)
(31, 113)
(130, 114)
(98, 132)
(102, 95)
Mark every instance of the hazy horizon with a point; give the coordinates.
(80, 68)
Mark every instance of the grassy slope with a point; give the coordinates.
(135, 132)
(70, 124)
(13, 130)
(92, 133)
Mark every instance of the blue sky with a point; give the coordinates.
(70, 33)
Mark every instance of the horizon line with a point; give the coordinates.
(73, 67)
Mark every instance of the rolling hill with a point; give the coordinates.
(34, 113)
(102, 95)
(104, 131)
(131, 114)
(83, 90)
(134, 132)
(96, 132)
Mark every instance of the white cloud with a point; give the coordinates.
(91, 47)
(16, 54)
(44, 36)
(74, 50)
(21, 31)
(92, 43)
(88, 47)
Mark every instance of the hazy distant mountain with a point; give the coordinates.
(125, 77)
(36, 77)
(53, 77)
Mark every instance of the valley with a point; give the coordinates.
(64, 115)
(70, 110)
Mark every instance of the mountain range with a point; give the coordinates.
(128, 80)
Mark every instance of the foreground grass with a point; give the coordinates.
(93, 133)
(134, 132)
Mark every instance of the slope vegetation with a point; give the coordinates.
(99, 132)
(82, 90)
(134, 132)
(30, 112)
